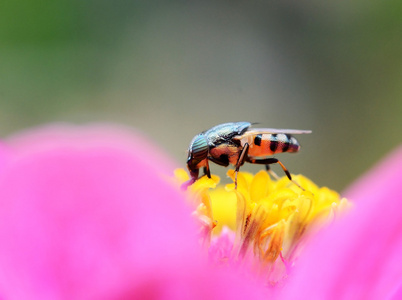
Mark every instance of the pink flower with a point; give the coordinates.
(87, 213)
(360, 256)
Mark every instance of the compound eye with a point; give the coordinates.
(198, 150)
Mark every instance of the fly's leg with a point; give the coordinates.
(271, 172)
(207, 171)
(240, 161)
(270, 161)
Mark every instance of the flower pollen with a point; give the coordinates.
(270, 219)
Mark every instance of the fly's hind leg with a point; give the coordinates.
(240, 161)
(270, 161)
(271, 172)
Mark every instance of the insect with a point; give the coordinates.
(237, 143)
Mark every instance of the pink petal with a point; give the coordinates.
(84, 214)
(359, 257)
(103, 135)
(221, 246)
(397, 293)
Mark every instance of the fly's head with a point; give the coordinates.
(197, 157)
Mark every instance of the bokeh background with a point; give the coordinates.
(172, 69)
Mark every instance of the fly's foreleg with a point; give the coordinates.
(207, 171)
(270, 161)
(240, 161)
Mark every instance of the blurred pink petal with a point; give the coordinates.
(221, 246)
(359, 256)
(85, 215)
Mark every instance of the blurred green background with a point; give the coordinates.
(172, 69)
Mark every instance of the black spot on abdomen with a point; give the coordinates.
(257, 140)
(273, 145)
(286, 144)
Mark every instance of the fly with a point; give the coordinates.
(237, 143)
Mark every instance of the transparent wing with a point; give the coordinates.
(274, 130)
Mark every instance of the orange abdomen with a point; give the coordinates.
(269, 144)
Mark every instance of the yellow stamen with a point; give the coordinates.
(270, 218)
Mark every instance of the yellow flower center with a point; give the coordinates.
(270, 218)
